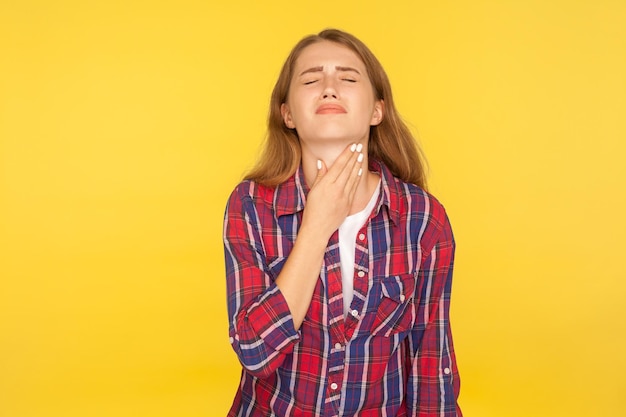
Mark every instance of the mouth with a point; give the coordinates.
(330, 109)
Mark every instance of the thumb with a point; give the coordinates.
(321, 171)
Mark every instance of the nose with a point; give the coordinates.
(330, 90)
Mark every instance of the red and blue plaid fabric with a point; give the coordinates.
(391, 356)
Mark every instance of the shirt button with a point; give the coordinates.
(333, 386)
(354, 313)
(337, 345)
(402, 298)
(361, 274)
(231, 340)
(446, 371)
(362, 236)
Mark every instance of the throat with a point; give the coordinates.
(366, 193)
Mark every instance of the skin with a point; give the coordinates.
(331, 104)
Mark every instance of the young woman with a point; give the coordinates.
(338, 262)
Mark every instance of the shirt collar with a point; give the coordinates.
(290, 196)
(391, 193)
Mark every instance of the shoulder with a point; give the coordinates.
(409, 202)
(415, 201)
(250, 192)
(422, 213)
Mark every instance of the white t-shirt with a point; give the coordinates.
(347, 246)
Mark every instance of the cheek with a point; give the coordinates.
(365, 100)
(366, 111)
(303, 104)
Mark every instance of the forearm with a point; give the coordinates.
(263, 329)
(299, 275)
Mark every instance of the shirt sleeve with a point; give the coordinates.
(433, 387)
(261, 328)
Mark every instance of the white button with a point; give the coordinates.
(333, 386)
(361, 274)
(354, 313)
(231, 340)
(402, 298)
(337, 346)
(362, 236)
(446, 371)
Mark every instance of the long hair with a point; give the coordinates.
(390, 141)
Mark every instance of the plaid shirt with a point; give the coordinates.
(392, 355)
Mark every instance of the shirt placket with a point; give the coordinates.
(341, 330)
(361, 277)
(335, 325)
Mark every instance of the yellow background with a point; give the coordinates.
(125, 125)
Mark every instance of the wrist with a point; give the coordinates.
(313, 236)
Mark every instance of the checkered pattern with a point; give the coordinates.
(391, 356)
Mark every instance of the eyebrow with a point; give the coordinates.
(320, 69)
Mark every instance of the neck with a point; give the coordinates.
(328, 154)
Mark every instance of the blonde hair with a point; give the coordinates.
(390, 142)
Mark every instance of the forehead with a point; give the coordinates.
(326, 53)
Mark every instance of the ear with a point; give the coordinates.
(286, 113)
(378, 114)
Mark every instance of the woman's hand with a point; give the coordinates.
(331, 195)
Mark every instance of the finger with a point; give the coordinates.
(355, 176)
(355, 160)
(321, 171)
(343, 160)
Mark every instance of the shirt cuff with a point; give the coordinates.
(270, 318)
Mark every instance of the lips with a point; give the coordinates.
(330, 109)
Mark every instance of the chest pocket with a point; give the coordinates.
(395, 312)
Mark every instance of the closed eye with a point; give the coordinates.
(310, 82)
(349, 80)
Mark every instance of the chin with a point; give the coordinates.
(339, 136)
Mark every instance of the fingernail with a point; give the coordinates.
(353, 147)
(360, 157)
(319, 164)
(360, 172)
(359, 147)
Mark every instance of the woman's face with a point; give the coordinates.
(331, 98)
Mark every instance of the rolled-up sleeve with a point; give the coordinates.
(261, 328)
(434, 383)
